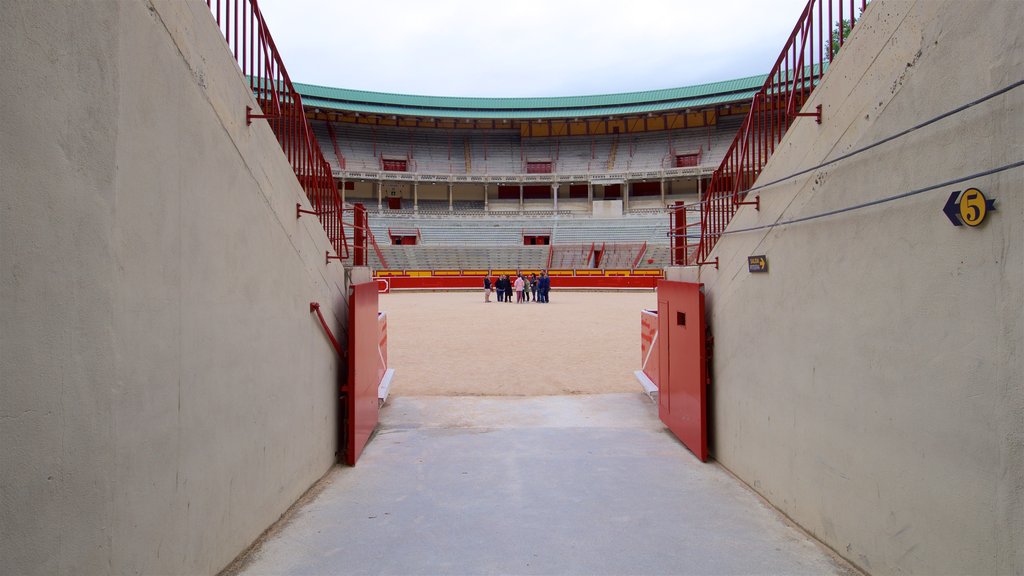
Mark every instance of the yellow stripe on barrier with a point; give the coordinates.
(589, 272)
(419, 273)
(474, 272)
(648, 272)
(447, 273)
(616, 272)
(382, 273)
(559, 272)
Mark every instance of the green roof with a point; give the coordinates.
(627, 103)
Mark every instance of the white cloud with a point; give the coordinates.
(527, 47)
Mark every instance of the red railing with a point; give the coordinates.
(820, 31)
(245, 30)
(362, 237)
(640, 255)
(334, 143)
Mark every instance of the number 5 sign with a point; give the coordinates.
(968, 207)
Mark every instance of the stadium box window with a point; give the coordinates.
(687, 160)
(393, 165)
(543, 167)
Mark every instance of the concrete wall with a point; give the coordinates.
(166, 394)
(870, 385)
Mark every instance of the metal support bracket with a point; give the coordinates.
(315, 307)
(249, 116)
(816, 114)
(756, 203)
(299, 211)
(708, 262)
(328, 257)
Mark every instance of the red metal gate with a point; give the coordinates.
(364, 360)
(682, 364)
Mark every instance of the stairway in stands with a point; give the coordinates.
(613, 152)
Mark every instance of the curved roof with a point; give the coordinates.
(627, 103)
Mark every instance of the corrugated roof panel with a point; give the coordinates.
(630, 109)
(549, 107)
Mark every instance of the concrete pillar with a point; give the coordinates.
(486, 199)
(520, 198)
(700, 186)
(554, 196)
(662, 191)
(380, 195)
(450, 196)
(342, 191)
(416, 196)
(625, 197)
(590, 196)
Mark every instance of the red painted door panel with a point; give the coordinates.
(682, 364)
(364, 357)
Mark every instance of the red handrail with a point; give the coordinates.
(249, 40)
(362, 236)
(334, 143)
(640, 255)
(773, 109)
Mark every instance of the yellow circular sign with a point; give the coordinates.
(972, 207)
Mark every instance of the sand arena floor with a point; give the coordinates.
(452, 344)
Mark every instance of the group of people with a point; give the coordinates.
(538, 286)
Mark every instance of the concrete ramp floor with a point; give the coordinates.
(590, 484)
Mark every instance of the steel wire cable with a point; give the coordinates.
(885, 140)
(857, 151)
(914, 192)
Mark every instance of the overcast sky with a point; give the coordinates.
(527, 47)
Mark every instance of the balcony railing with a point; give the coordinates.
(249, 40)
(821, 30)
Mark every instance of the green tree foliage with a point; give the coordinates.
(846, 28)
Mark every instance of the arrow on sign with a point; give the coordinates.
(952, 209)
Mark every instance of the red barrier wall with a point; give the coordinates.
(574, 282)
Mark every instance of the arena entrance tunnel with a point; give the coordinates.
(673, 368)
(516, 439)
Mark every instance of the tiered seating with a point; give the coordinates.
(570, 255)
(495, 152)
(484, 231)
(480, 242)
(462, 257)
(656, 256)
(621, 254)
(436, 151)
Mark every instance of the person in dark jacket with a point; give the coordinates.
(504, 289)
(487, 289)
(545, 286)
(533, 286)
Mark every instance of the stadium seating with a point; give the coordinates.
(482, 231)
(498, 152)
